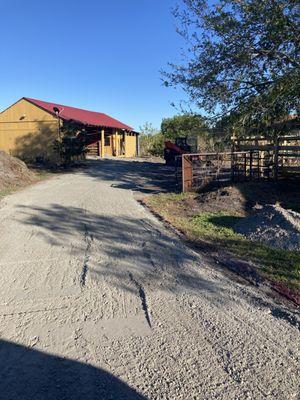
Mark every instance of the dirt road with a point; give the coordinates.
(100, 301)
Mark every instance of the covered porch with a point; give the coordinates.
(112, 142)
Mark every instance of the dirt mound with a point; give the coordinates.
(227, 198)
(272, 225)
(13, 172)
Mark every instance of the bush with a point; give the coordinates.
(152, 145)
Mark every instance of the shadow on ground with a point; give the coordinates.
(126, 244)
(138, 175)
(27, 374)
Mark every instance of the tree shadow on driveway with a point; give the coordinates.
(141, 176)
(27, 374)
(123, 245)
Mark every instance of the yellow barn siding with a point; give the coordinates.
(117, 146)
(130, 145)
(28, 132)
(108, 145)
(24, 108)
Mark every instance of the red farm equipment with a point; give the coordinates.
(172, 150)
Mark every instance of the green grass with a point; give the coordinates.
(6, 191)
(216, 229)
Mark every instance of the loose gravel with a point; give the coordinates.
(100, 301)
(273, 225)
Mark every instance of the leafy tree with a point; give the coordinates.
(151, 141)
(72, 141)
(157, 145)
(188, 125)
(242, 60)
(182, 125)
(148, 129)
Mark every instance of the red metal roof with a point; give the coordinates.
(85, 117)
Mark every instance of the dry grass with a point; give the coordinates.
(15, 175)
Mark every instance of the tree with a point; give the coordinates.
(188, 125)
(242, 60)
(151, 141)
(148, 129)
(182, 125)
(72, 141)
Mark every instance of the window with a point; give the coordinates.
(106, 140)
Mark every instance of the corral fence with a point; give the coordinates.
(253, 158)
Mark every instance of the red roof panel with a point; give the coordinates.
(83, 116)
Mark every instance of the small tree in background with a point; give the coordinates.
(72, 141)
(151, 141)
(182, 125)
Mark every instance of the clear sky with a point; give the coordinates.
(100, 55)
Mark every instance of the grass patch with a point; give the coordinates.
(6, 191)
(216, 229)
(42, 174)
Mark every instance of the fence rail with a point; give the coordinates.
(250, 159)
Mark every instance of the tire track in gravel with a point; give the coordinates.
(142, 296)
(88, 239)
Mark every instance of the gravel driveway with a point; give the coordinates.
(100, 301)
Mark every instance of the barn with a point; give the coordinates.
(29, 127)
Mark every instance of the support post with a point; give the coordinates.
(116, 143)
(182, 174)
(251, 165)
(232, 158)
(102, 143)
(137, 145)
(276, 151)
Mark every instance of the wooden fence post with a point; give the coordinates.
(245, 166)
(275, 166)
(251, 165)
(182, 173)
(187, 173)
(232, 159)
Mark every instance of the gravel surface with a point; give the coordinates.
(100, 301)
(273, 225)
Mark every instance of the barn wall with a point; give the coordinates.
(130, 145)
(27, 131)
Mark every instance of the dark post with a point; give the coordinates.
(251, 164)
(276, 151)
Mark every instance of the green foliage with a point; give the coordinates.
(185, 125)
(151, 141)
(242, 60)
(148, 129)
(6, 191)
(72, 142)
(191, 126)
(182, 125)
(152, 145)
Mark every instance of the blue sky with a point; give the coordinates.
(99, 55)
